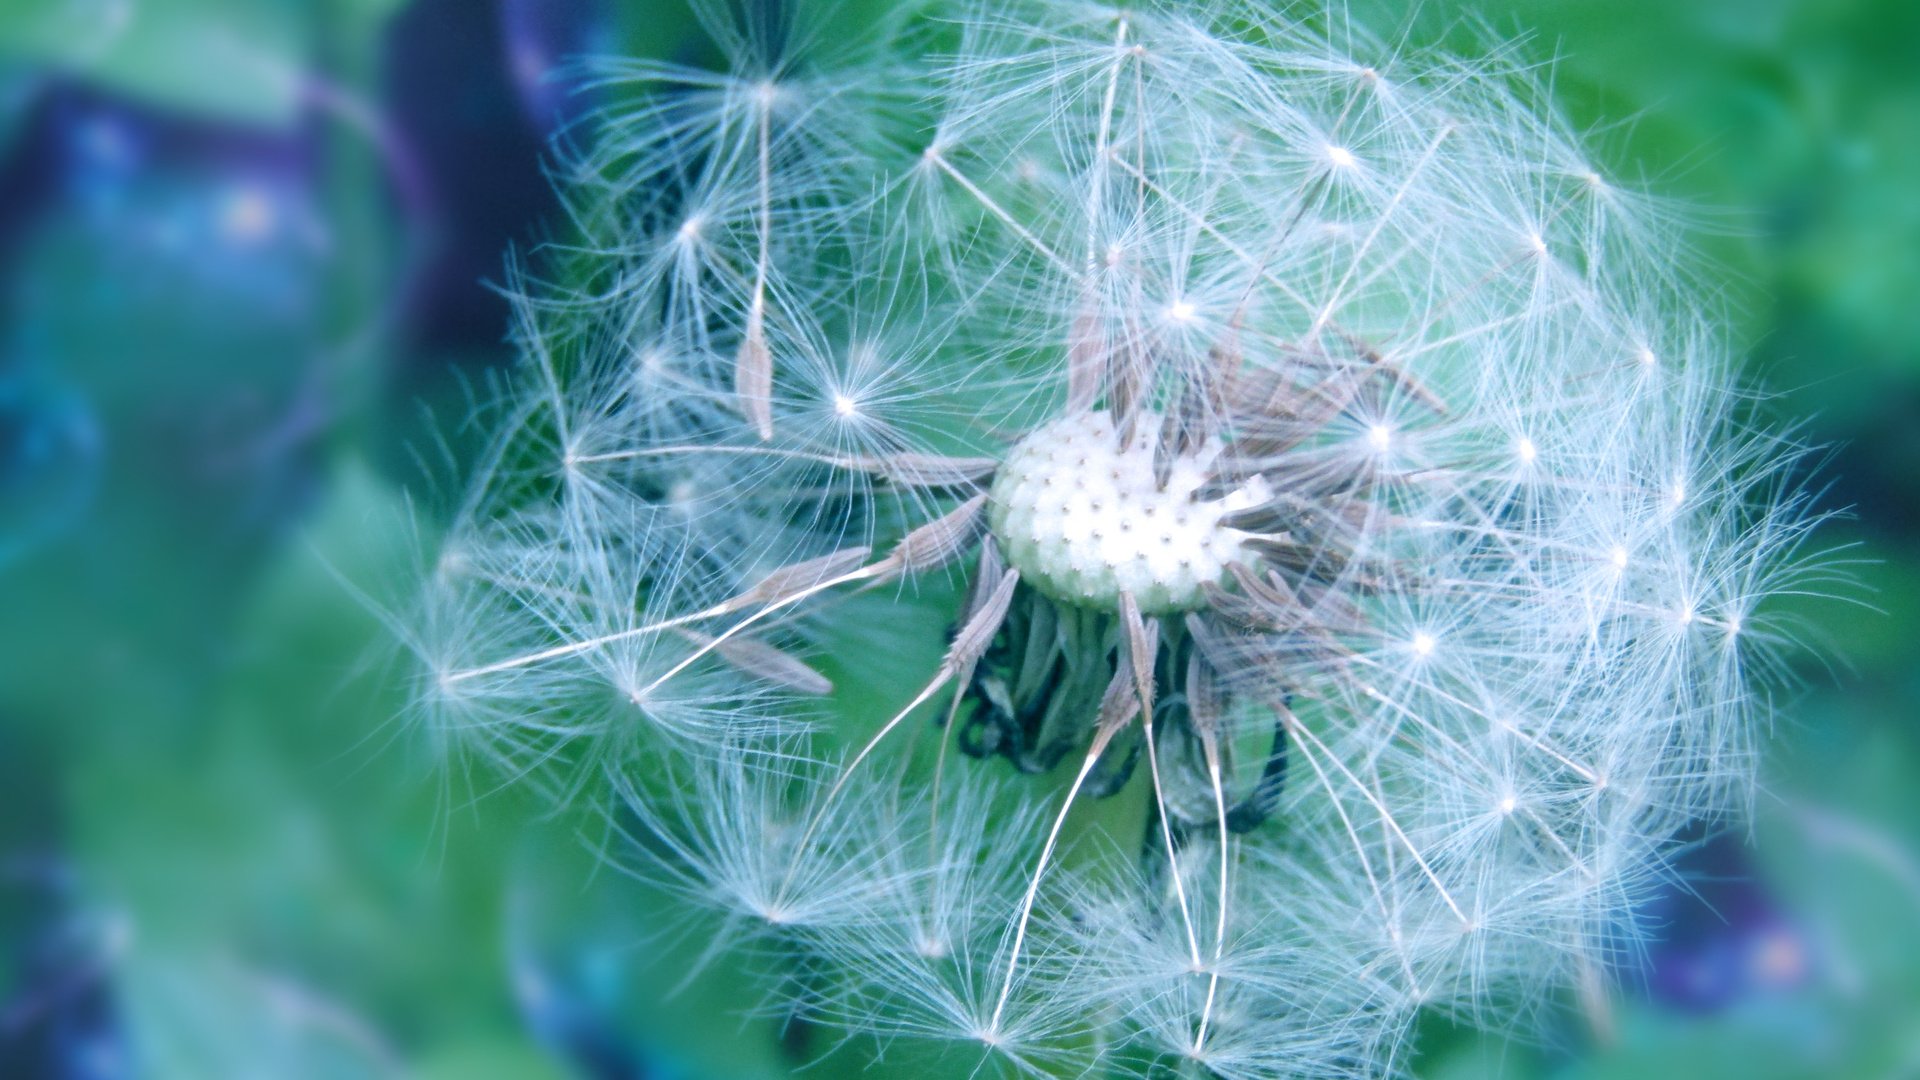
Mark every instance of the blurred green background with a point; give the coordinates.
(243, 247)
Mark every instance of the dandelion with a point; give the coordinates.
(1343, 614)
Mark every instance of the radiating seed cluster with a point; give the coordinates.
(1290, 445)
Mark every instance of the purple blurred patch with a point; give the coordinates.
(1720, 936)
(540, 37)
(453, 101)
(185, 204)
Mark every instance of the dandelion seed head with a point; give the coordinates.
(1208, 380)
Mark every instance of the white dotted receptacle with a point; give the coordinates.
(1084, 520)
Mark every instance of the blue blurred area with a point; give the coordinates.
(227, 286)
(49, 462)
